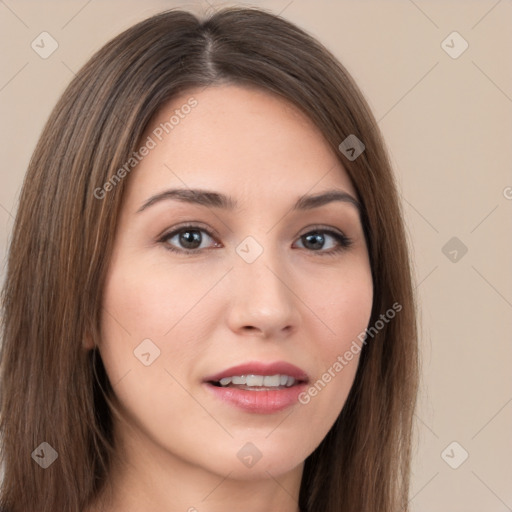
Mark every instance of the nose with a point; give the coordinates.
(263, 302)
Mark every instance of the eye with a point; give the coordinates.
(193, 239)
(316, 240)
(189, 239)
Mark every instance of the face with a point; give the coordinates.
(253, 278)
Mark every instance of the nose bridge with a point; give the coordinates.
(263, 297)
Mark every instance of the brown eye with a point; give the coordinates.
(187, 239)
(315, 241)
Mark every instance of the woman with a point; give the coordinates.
(208, 300)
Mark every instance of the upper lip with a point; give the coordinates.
(260, 368)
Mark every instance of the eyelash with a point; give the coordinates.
(344, 242)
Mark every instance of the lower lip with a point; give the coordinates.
(261, 402)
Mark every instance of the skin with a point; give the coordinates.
(211, 310)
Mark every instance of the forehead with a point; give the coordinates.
(243, 141)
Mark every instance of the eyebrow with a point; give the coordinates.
(217, 200)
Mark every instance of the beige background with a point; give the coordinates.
(448, 126)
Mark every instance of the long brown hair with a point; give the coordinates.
(53, 390)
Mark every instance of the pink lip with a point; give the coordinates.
(264, 401)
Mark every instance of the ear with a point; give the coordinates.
(88, 342)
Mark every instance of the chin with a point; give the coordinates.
(257, 459)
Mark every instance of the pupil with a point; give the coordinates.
(315, 240)
(190, 239)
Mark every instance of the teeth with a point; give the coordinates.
(267, 381)
(255, 380)
(273, 381)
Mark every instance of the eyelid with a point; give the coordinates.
(321, 227)
(200, 226)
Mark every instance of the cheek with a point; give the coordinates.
(145, 299)
(344, 306)
(145, 310)
(143, 316)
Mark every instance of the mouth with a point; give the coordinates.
(259, 387)
(257, 382)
